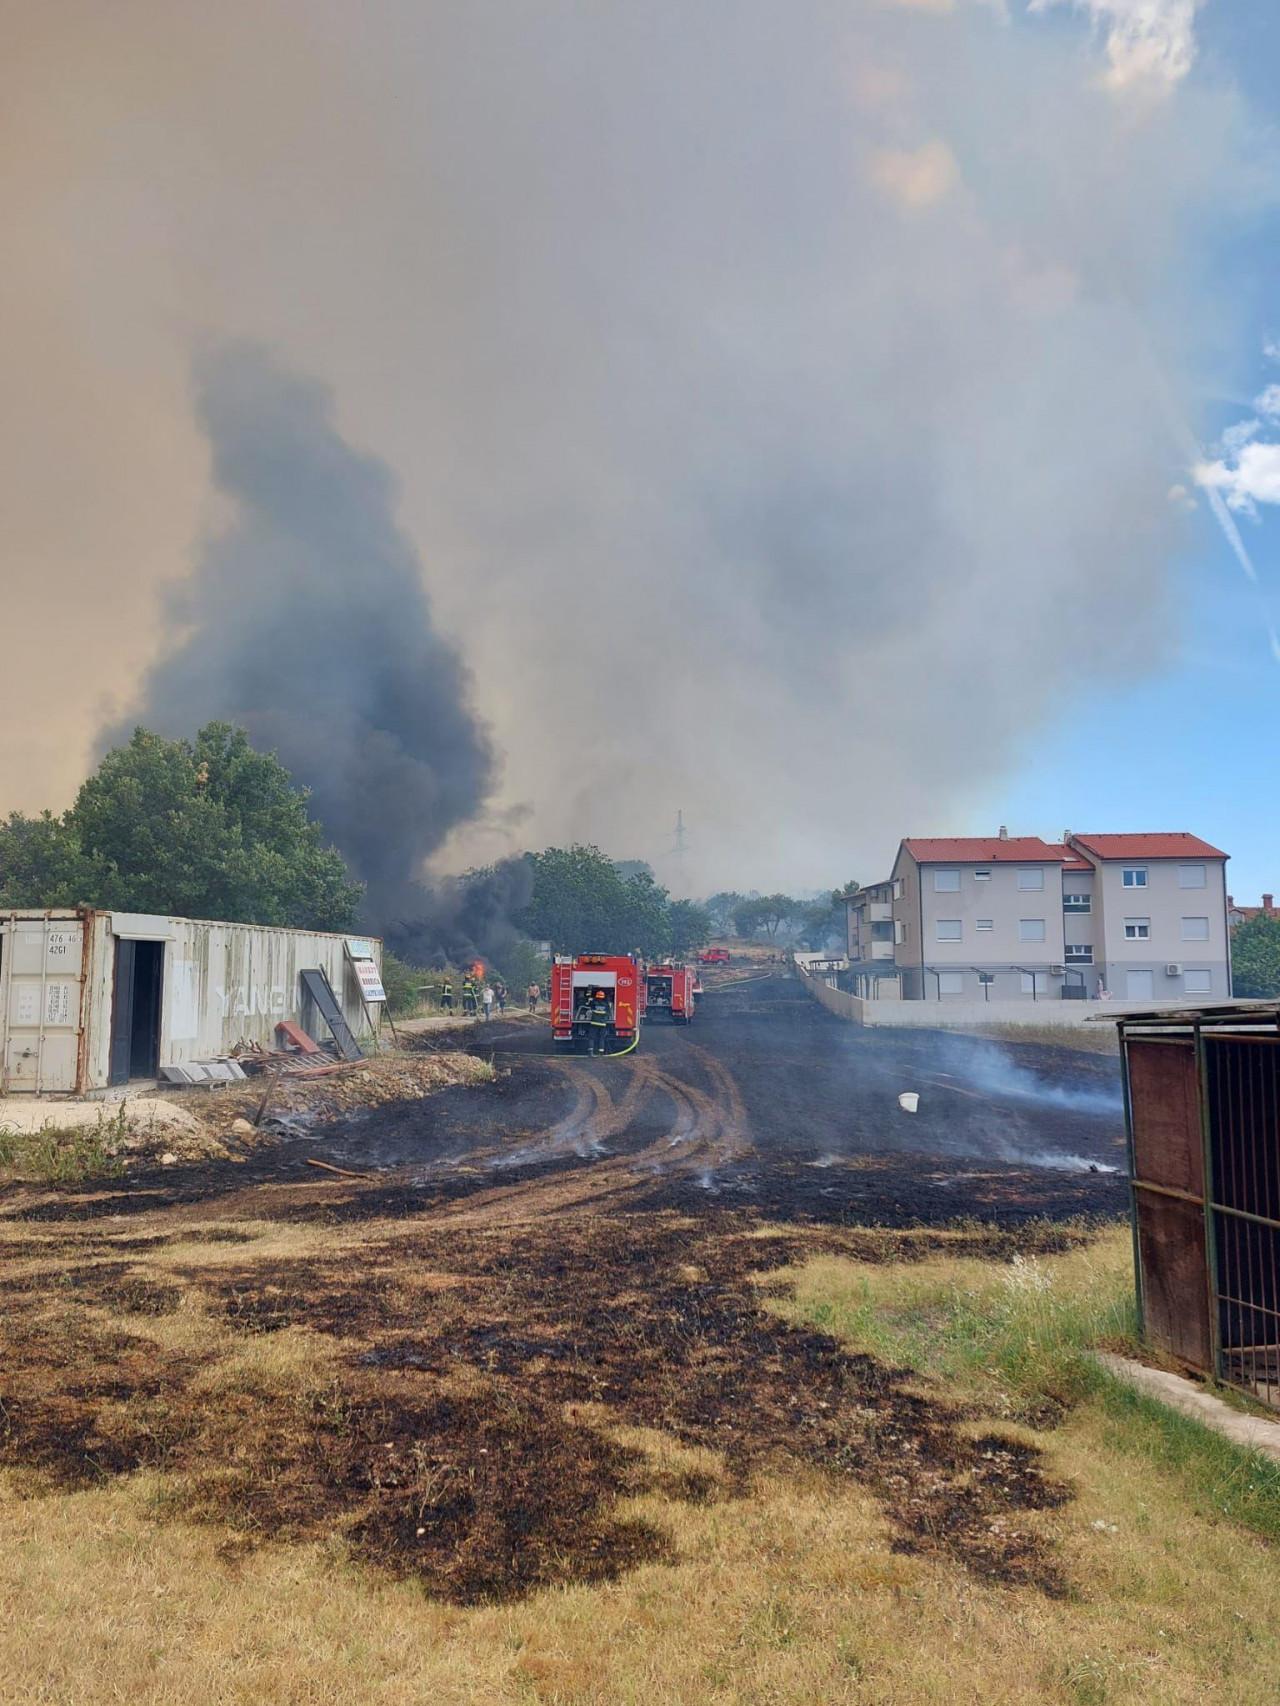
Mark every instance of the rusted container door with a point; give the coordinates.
(1243, 1098)
(1168, 1190)
(41, 989)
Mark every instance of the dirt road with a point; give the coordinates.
(768, 1102)
(767, 1105)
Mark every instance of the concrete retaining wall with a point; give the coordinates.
(954, 1014)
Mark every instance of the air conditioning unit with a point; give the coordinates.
(1173, 969)
(1057, 971)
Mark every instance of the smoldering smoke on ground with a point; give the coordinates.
(306, 621)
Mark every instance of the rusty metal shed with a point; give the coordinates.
(1202, 1112)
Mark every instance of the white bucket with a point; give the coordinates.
(909, 1101)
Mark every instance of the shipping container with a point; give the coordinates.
(91, 999)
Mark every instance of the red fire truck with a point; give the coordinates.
(575, 980)
(671, 992)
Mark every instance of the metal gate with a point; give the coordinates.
(41, 1003)
(1202, 1093)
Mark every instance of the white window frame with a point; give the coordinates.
(1077, 903)
(1022, 930)
(985, 924)
(1133, 876)
(955, 979)
(1193, 877)
(955, 934)
(1200, 935)
(942, 880)
(1137, 929)
(899, 932)
(1031, 877)
(1198, 988)
(1078, 953)
(982, 876)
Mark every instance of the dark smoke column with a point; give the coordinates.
(307, 622)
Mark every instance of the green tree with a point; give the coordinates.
(1255, 957)
(210, 829)
(767, 913)
(690, 926)
(581, 905)
(722, 905)
(42, 863)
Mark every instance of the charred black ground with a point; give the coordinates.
(536, 1263)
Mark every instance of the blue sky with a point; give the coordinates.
(1194, 747)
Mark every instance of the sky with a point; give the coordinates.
(1188, 746)
(836, 420)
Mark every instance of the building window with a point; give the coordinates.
(1192, 877)
(1031, 877)
(949, 929)
(986, 924)
(946, 882)
(1079, 953)
(1134, 876)
(1077, 903)
(1198, 982)
(982, 876)
(897, 888)
(899, 931)
(1034, 982)
(1137, 929)
(950, 982)
(1031, 929)
(1195, 929)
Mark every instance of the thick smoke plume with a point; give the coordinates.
(307, 622)
(781, 390)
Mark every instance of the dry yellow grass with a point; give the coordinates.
(789, 1596)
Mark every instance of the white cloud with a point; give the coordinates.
(1246, 479)
(1236, 437)
(1268, 402)
(1148, 43)
(1181, 498)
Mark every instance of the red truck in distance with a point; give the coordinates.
(671, 992)
(714, 957)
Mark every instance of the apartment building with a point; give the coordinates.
(1140, 918)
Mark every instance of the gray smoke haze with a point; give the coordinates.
(781, 393)
(306, 621)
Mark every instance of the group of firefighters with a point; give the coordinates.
(479, 1000)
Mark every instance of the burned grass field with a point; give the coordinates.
(550, 1336)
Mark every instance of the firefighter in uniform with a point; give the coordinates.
(446, 995)
(598, 1024)
(468, 996)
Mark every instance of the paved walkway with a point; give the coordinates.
(1254, 1433)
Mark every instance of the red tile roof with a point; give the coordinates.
(1071, 860)
(1177, 845)
(983, 850)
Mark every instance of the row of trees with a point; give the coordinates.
(210, 828)
(811, 923)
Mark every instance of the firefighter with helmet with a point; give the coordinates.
(598, 1024)
(446, 995)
